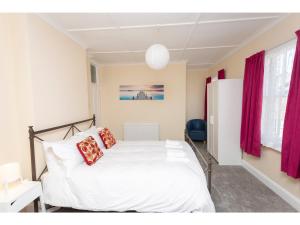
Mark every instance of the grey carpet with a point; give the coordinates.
(234, 189)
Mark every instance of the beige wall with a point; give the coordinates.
(43, 83)
(269, 163)
(16, 96)
(58, 73)
(169, 113)
(195, 93)
(10, 150)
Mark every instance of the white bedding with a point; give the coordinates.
(141, 176)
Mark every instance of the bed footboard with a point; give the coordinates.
(207, 160)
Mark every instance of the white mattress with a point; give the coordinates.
(144, 176)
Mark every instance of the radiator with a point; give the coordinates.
(141, 131)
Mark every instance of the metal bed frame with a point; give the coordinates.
(206, 160)
(33, 135)
(72, 128)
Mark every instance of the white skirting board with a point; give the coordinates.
(287, 196)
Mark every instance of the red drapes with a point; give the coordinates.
(290, 152)
(221, 74)
(252, 104)
(208, 80)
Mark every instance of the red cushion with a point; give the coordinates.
(107, 138)
(89, 150)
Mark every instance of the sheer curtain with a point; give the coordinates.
(277, 76)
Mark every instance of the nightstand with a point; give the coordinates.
(19, 196)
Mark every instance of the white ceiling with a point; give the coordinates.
(201, 39)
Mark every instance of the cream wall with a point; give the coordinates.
(269, 163)
(169, 113)
(58, 73)
(8, 95)
(16, 96)
(195, 93)
(43, 83)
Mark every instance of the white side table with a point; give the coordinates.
(20, 196)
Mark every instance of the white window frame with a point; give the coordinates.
(277, 73)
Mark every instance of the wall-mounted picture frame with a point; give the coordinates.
(142, 92)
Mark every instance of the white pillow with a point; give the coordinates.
(65, 154)
(93, 131)
(51, 159)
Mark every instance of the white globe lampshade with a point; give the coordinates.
(157, 56)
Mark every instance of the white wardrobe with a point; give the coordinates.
(224, 107)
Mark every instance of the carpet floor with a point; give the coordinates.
(234, 189)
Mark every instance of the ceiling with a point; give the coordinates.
(201, 39)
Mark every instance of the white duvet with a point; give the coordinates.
(140, 176)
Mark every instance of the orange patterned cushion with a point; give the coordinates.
(107, 138)
(89, 150)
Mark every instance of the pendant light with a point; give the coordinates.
(157, 56)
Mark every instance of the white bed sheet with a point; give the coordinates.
(140, 175)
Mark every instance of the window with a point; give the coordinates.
(277, 76)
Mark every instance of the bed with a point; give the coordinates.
(143, 176)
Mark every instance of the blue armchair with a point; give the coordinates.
(196, 129)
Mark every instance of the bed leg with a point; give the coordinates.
(36, 206)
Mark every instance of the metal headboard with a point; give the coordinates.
(33, 135)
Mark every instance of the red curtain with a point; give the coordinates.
(252, 104)
(208, 80)
(290, 152)
(221, 74)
